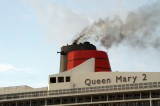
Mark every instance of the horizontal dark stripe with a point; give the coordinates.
(102, 67)
(87, 58)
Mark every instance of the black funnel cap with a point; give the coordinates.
(74, 47)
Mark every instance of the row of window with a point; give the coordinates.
(136, 103)
(42, 103)
(59, 79)
(90, 98)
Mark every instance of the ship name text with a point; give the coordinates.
(118, 79)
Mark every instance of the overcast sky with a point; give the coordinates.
(32, 31)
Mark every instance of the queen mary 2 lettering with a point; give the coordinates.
(117, 79)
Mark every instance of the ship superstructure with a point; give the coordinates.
(85, 79)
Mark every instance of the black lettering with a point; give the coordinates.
(118, 78)
(144, 77)
(88, 82)
(124, 79)
(98, 81)
(108, 80)
(129, 78)
(134, 79)
(103, 81)
(93, 82)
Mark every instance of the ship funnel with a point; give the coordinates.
(74, 47)
(75, 54)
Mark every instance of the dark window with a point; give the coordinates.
(67, 79)
(132, 96)
(103, 98)
(72, 100)
(60, 79)
(57, 101)
(95, 98)
(111, 97)
(49, 102)
(65, 101)
(53, 80)
(80, 99)
(42, 102)
(12, 104)
(156, 94)
(26, 104)
(145, 95)
(87, 99)
(115, 97)
(34, 103)
(156, 103)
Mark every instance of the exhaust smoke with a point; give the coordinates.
(139, 29)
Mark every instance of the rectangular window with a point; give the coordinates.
(64, 101)
(57, 101)
(79, 99)
(67, 79)
(72, 100)
(145, 95)
(60, 79)
(53, 80)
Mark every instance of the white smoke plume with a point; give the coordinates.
(139, 29)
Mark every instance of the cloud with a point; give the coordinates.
(12, 68)
(5, 67)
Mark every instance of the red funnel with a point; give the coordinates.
(102, 64)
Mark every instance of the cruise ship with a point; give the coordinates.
(86, 79)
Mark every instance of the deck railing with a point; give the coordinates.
(136, 86)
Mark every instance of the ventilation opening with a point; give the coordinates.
(53, 80)
(67, 79)
(60, 79)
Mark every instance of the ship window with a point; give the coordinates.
(57, 101)
(42, 102)
(145, 95)
(87, 99)
(49, 102)
(67, 79)
(53, 80)
(65, 101)
(72, 100)
(95, 98)
(60, 79)
(156, 94)
(79, 99)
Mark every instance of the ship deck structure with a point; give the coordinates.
(86, 84)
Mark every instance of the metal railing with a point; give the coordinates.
(121, 87)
